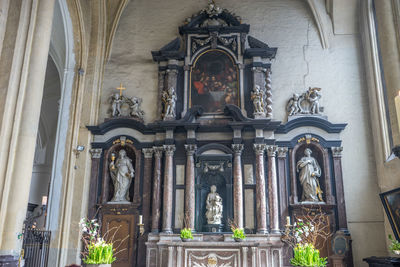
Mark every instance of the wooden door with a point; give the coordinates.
(121, 230)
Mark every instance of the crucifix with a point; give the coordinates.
(120, 88)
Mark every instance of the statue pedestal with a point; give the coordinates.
(213, 228)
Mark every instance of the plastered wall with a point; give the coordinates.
(301, 62)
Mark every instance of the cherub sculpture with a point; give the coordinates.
(293, 106)
(134, 104)
(116, 101)
(313, 97)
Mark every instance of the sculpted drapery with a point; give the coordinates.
(309, 173)
(122, 173)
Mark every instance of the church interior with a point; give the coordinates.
(212, 133)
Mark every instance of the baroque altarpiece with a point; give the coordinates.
(216, 155)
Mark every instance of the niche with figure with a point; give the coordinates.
(213, 193)
(120, 174)
(310, 174)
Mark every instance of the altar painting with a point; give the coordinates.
(214, 82)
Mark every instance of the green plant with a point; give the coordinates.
(306, 255)
(99, 253)
(186, 233)
(238, 233)
(394, 245)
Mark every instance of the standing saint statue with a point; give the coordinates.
(258, 100)
(214, 206)
(122, 173)
(169, 98)
(309, 173)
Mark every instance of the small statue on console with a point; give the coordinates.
(309, 174)
(258, 101)
(169, 98)
(122, 173)
(136, 111)
(214, 206)
(305, 104)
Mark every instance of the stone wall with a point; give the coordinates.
(300, 62)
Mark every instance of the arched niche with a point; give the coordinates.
(107, 187)
(321, 155)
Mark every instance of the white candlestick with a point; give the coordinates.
(140, 219)
(44, 200)
(288, 220)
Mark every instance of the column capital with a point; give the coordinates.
(259, 148)
(237, 148)
(148, 153)
(169, 149)
(282, 152)
(190, 149)
(271, 151)
(337, 152)
(258, 69)
(96, 152)
(158, 150)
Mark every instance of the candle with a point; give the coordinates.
(44, 200)
(397, 104)
(140, 219)
(288, 220)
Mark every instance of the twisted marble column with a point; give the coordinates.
(189, 186)
(238, 185)
(273, 190)
(168, 188)
(155, 223)
(261, 207)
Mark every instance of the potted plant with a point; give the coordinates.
(97, 251)
(238, 233)
(394, 245)
(305, 236)
(186, 234)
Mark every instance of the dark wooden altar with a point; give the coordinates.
(211, 132)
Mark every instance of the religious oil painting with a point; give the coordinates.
(391, 203)
(214, 82)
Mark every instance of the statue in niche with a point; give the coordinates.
(122, 173)
(258, 100)
(214, 206)
(116, 104)
(307, 103)
(309, 174)
(169, 98)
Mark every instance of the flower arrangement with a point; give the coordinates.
(96, 249)
(394, 245)
(238, 233)
(308, 233)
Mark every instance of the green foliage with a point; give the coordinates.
(394, 245)
(186, 233)
(238, 233)
(99, 253)
(306, 255)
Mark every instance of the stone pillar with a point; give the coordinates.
(156, 208)
(282, 172)
(268, 95)
(238, 185)
(244, 253)
(148, 162)
(17, 162)
(168, 188)
(337, 169)
(261, 207)
(189, 186)
(273, 190)
(96, 155)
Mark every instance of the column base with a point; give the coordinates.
(262, 232)
(8, 261)
(155, 231)
(275, 231)
(167, 232)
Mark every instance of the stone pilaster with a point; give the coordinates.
(95, 169)
(273, 190)
(189, 186)
(168, 188)
(238, 185)
(282, 170)
(261, 207)
(337, 169)
(24, 98)
(146, 197)
(156, 208)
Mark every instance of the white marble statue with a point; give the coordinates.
(169, 98)
(214, 207)
(309, 174)
(136, 111)
(122, 174)
(293, 105)
(257, 96)
(116, 104)
(313, 97)
(305, 104)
